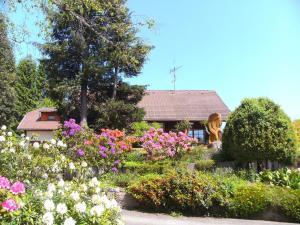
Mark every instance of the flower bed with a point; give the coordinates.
(160, 145)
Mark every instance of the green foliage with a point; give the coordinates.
(7, 78)
(259, 130)
(283, 177)
(177, 192)
(289, 203)
(30, 83)
(138, 128)
(204, 164)
(86, 62)
(115, 114)
(248, 201)
(297, 127)
(183, 125)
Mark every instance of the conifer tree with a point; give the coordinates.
(30, 81)
(7, 77)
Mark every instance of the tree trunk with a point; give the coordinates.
(115, 85)
(83, 103)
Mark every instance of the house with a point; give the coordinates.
(170, 107)
(40, 122)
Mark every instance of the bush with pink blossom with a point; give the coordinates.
(160, 145)
(10, 197)
(103, 151)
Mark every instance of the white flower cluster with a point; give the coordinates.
(76, 203)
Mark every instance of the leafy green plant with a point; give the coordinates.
(204, 164)
(283, 177)
(183, 126)
(259, 130)
(139, 128)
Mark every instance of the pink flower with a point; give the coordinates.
(17, 188)
(4, 183)
(10, 205)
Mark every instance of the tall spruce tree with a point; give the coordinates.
(7, 78)
(82, 66)
(30, 83)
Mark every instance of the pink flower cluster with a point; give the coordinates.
(159, 144)
(16, 188)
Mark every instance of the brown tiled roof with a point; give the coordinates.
(193, 105)
(31, 121)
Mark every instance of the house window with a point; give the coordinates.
(199, 134)
(51, 118)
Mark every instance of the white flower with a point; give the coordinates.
(97, 210)
(72, 166)
(36, 145)
(84, 164)
(22, 144)
(46, 146)
(97, 190)
(49, 194)
(49, 205)
(48, 218)
(96, 199)
(120, 222)
(51, 187)
(29, 157)
(3, 127)
(61, 183)
(12, 150)
(61, 208)
(9, 133)
(61, 144)
(111, 204)
(27, 138)
(63, 158)
(22, 135)
(21, 204)
(53, 141)
(80, 207)
(288, 171)
(45, 176)
(94, 182)
(2, 138)
(75, 195)
(9, 144)
(84, 187)
(70, 221)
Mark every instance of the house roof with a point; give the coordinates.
(31, 121)
(192, 105)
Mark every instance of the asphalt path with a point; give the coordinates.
(141, 218)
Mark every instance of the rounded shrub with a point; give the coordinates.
(259, 130)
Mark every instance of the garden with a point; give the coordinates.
(76, 177)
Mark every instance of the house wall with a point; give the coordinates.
(41, 135)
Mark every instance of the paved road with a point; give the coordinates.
(140, 218)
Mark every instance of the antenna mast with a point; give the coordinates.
(173, 72)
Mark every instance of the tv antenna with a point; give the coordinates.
(173, 72)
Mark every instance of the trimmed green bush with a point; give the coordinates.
(248, 201)
(204, 164)
(259, 130)
(215, 195)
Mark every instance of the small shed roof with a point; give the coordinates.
(31, 121)
(192, 105)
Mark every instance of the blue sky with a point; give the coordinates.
(238, 48)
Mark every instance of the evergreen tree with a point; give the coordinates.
(82, 67)
(7, 78)
(29, 86)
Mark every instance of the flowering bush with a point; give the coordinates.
(70, 203)
(160, 145)
(102, 151)
(284, 177)
(10, 197)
